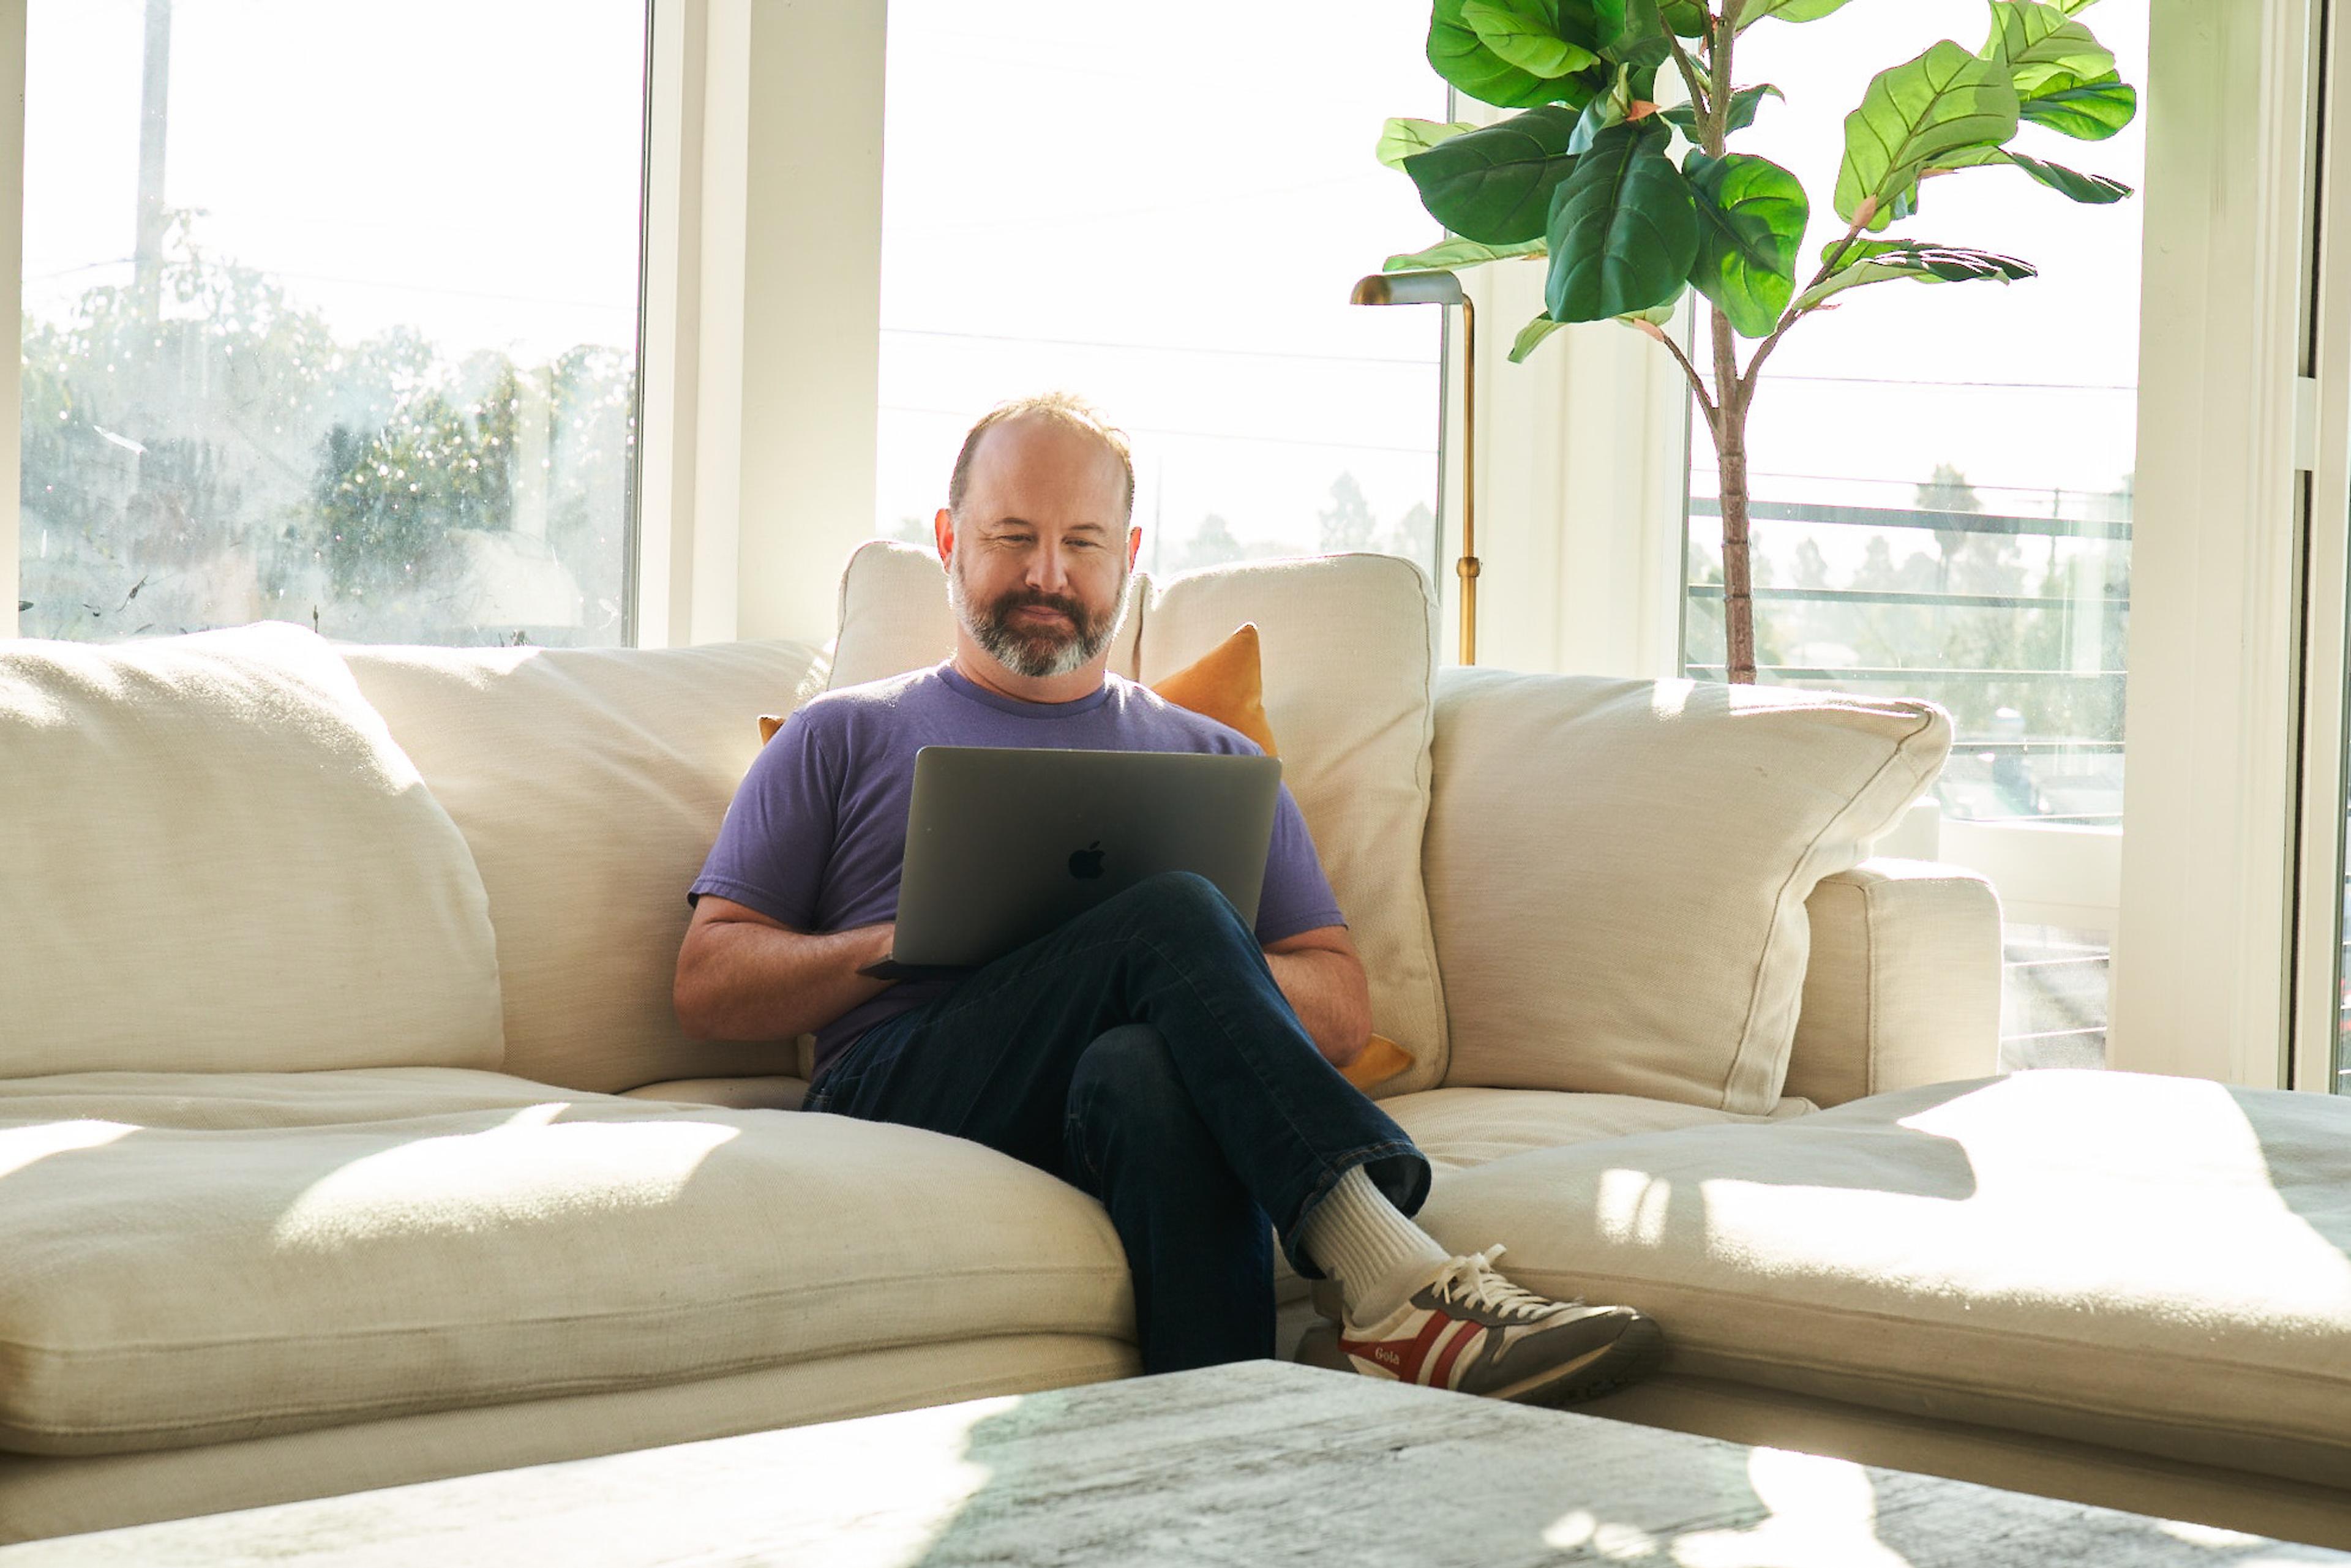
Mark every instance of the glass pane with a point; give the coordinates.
(330, 317)
(1942, 484)
(1087, 197)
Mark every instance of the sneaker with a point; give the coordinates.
(1474, 1332)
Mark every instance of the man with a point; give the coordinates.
(1155, 1051)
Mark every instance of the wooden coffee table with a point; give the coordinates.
(1263, 1462)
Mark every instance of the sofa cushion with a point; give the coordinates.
(198, 1260)
(1680, 827)
(1349, 648)
(2155, 1264)
(590, 783)
(219, 860)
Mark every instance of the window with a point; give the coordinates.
(331, 316)
(1107, 200)
(1942, 486)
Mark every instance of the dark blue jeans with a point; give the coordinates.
(1143, 1052)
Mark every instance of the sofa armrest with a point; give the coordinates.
(1903, 985)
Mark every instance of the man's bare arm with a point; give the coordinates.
(741, 975)
(1322, 976)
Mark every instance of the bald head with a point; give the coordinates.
(1031, 420)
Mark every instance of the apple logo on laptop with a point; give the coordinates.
(1087, 862)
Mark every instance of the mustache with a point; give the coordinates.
(1068, 609)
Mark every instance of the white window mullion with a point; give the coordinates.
(1583, 458)
(670, 358)
(11, 273)
(2203, 946)
(2323, 449)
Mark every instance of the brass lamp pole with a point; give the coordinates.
(1444, 288)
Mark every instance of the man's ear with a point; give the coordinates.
(943, 533)
(1134, 544)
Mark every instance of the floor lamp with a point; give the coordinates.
(1444, 288)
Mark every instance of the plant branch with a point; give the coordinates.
(1717, 62)
(1697, 382)
(1688, 68)
(1829, 265)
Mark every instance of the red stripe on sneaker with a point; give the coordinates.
(1443, 1376)
(1405, 1360)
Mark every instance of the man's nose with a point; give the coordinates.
(1048, 569)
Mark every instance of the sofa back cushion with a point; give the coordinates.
(219, 860)
(590, 784)
(1348, 651)
(1348, 648)
(1618, 870)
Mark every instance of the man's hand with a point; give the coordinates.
(741, 975)
(1320, 974)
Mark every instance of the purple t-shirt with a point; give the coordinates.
(815, 836)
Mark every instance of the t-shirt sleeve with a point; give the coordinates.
(778, 836)
(1296, 896)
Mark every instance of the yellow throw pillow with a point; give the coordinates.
(1228, 684)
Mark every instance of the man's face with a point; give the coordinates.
(1041, 554)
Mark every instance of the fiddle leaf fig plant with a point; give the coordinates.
(1631, 201)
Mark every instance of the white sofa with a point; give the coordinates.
(347, 1136)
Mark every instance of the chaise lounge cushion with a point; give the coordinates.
(200, 1259)
(217, 858)
(2159, 1265)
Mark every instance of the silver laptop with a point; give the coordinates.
(1006, 843)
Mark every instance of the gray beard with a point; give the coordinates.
(1025, 654)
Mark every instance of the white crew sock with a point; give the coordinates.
(1364, 1242)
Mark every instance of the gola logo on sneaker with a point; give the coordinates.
(1387, 1356)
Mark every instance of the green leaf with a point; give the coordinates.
(1448, 254)
(1532, 333)
(2096, 190)
(1687, 18)
(1788, 11)
(1458, 55)
(1945, 99)
(1400, 138)
(1883, 261)
(1624, 229)
(1743, 105)
(1494, 185)
(1751, 225)
(1525, 33)
(2040, 47)
(2086, 111)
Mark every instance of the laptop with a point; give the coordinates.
(1006, 843)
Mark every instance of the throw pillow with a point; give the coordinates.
(220, 860)
(1618, 871)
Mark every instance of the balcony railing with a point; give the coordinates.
(2054, 1004)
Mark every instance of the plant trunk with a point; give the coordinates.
(1730, 427)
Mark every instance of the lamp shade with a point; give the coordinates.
(1406, 289)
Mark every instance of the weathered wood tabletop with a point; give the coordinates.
(1260, 1463)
